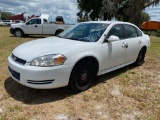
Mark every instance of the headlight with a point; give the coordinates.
(49, 60)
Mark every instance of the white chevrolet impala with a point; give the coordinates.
(77, 55)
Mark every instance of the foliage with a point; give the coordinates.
(153, 33)
(5, 15)
(83, 19)
(144, 17)
(124, 10)
(131, 10)
(89, 9)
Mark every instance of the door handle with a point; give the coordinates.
(126, 45)
(123, 45)
(139, 41)
(36, 26)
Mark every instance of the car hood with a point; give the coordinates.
(52, 45)
(17, 24)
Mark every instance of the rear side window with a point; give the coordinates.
(130, 31)
(117, 30)
(5, 21)
(139, 33)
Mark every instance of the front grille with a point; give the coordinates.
(14, 73)
(18, 60)
(40, 82)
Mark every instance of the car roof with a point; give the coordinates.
(108, 22)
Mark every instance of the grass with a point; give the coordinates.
(130, 93)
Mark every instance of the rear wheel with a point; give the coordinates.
(82, 76)
(140, 58)
(18, 33)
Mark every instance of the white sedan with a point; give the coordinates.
(77, 55)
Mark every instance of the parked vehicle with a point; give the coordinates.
(0, 22)
(37, 26)
(18, 21)
(151, 25)
(7, 22)
(77, 55)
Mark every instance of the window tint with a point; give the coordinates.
(34, 21)
(117, 30)
(130, 31)
(5, 21)
(139, 33)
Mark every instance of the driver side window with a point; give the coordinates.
(117, 30)
(34, 21)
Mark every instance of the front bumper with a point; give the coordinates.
(11, 30)
(40, 77)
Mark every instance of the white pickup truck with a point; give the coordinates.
(37, 26)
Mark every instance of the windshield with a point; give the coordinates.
(87, 32)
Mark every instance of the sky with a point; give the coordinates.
(66, 8)
(154, 12)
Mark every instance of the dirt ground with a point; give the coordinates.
(130, 93)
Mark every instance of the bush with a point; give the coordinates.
(153, 33)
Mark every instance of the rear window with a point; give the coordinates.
(130, 31)
(139, 33)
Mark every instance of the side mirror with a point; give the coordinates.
(113, 38)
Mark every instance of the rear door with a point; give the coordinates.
(133, 42)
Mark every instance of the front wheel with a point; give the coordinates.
(140, 58)
(18, 33)
(82, 76)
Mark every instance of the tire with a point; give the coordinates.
(26, 35)
(140, 58)
(82, 76)
(58, 32)
(18, 33)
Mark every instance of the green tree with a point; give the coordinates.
(89, 9)
(82, 19)
(5, 15)
(144, 17)
(127, 10)
(124, 10)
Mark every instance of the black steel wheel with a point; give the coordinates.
(140, 58)
(82, 76)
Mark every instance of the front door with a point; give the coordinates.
(33, 26)
(114, 52)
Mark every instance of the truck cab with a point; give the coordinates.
(37, 26)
